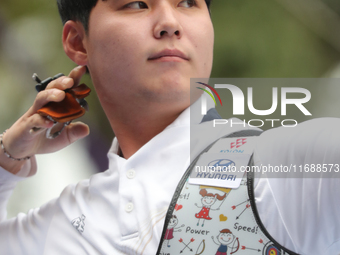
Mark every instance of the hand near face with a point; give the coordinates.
(26, 137)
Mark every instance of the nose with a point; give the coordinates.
(167, 23)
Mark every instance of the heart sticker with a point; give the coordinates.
(178, 207)
(223, 218)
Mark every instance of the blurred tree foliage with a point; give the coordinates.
(262, 39)
(252, 39)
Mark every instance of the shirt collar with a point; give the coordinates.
(190, 116)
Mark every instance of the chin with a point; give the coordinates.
(170, 85)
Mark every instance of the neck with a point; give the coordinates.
(134, 129)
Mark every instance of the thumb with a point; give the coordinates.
(76, 131)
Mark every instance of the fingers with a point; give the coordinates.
(27, 134)
(77, 73)
(66, 82)
(31, 124)
(76, 131)
(45, 96)
(54, 91)
(38, 124)
(61, 83)
(70, 134)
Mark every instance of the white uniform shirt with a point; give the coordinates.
(302, 214)
(122, 210)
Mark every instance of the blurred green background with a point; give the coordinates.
(254, 39)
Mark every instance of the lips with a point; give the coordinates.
(169, 55)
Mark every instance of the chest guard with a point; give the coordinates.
(208, 217)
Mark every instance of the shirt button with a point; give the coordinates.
(129, 207)
(131, 174)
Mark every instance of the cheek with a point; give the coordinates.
(108, 48)
(113, 52)
(202, 41)
(116, 38)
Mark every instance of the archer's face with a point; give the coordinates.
(147, 51)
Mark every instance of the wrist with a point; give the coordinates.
(7, 161)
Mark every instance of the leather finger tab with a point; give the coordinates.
(64, 111)
(80, 91)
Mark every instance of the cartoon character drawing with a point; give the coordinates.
(208, 199)
(169, 233)
(225, 240)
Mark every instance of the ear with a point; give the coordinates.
(74, 36)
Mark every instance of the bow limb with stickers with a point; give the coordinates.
(215, 201)
(60, 100)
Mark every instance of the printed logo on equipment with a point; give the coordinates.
(221, 164)
(238, 143)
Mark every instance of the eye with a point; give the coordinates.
(187, 3)
(136, 5)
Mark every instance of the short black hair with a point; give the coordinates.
(79, 10)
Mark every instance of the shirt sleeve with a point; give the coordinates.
(302, 213)
(8, 182)
(26, 230)
(27, 233)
